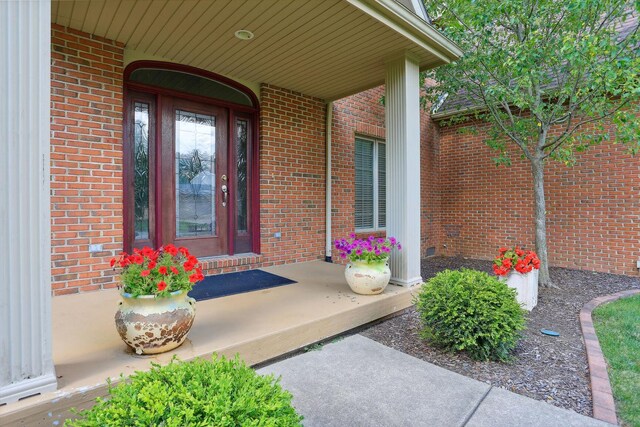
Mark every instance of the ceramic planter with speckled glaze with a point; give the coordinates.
(151, 324)
(368, 278)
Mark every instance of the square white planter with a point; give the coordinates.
(526, 285)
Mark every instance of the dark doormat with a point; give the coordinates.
(222, 285)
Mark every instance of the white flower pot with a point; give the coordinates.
(526, 286)
(368, 278)
(150, 324)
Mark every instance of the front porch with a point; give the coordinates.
(259, 326)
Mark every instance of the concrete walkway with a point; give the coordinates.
(359, 382)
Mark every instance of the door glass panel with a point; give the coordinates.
(195, 142)
(141, 170)
(241, 187)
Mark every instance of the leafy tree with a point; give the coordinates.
(549, 76)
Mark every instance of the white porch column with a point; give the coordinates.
(26, 365)
(402, 100)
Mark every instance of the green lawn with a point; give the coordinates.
(618, 328)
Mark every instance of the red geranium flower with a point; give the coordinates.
(517, 259)
(171, 249)
(165, 263)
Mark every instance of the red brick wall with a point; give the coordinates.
(593, 208)
(430, 185)
(360, 114)
(86, 159)
(292, 176)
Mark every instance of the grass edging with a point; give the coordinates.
(604, 407)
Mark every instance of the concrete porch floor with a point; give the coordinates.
(259, 325)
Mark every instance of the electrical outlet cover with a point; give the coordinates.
(95, 248)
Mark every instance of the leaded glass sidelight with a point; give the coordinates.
(195, 148)
(241, 186)
(141, 170)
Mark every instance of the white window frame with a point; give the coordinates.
(378, 144)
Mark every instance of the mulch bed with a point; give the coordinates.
(545, 368)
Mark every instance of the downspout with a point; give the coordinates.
(328, 124)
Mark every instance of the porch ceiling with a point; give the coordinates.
(324, 48)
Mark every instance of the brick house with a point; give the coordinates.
(207, 124)
(204, 124)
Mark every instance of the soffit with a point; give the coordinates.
(327, 49)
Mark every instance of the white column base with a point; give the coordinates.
(30, 387)
(407, 283)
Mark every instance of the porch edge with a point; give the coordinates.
(55, 406)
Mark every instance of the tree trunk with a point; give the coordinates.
(537, 169)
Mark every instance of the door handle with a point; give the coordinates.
(225, 193)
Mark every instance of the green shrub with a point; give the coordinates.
(220, 392)
(468, 310)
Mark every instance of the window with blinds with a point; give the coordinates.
(371, 188)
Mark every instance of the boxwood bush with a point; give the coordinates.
(221, 392)
(471, 311)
